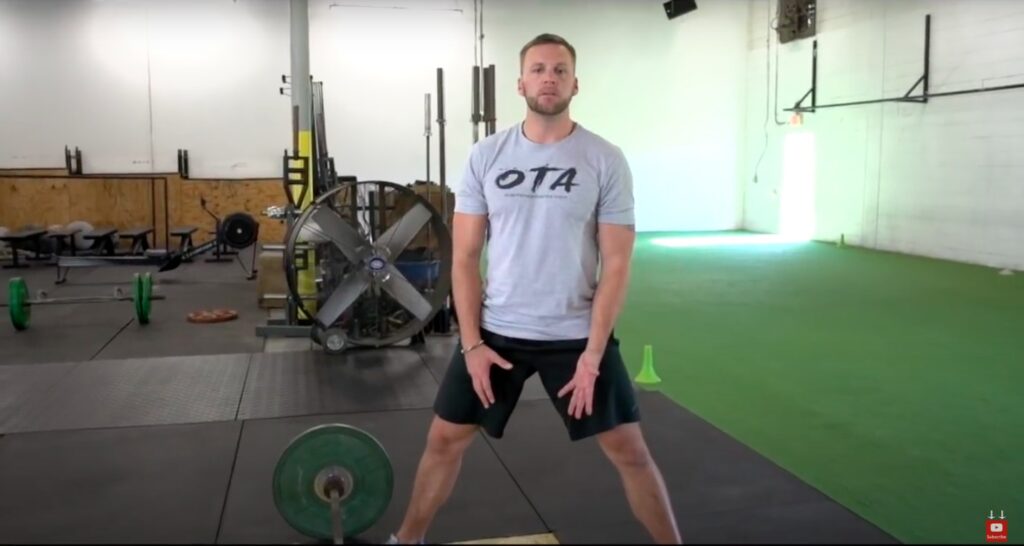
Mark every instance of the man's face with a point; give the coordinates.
(548, 79)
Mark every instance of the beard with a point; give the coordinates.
(548, 109)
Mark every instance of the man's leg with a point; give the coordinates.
(458, 415)
(435, 477)
(625, 447)
(615, 423)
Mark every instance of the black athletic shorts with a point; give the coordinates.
(614, 402)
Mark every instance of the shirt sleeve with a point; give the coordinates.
(470, 197)
(615, 205)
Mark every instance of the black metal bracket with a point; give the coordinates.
(295, 177)
(813, 91)
(73, 162)
(907, 97)
(183, 163)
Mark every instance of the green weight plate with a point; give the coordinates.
(137, 295)
(342, 450)
(147, 297)
(17, 301)
(143, 296)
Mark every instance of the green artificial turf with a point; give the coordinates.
(894, 384)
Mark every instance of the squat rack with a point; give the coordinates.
(907, 97)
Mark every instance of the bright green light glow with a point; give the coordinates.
(796, 210)
(737, 239)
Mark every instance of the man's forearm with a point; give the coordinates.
(466, 288)
(608, 301)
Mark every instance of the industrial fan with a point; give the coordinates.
(381, 258)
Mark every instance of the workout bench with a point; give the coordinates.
(184, 235)
(102, 240)
(20, 239)
(140, 239)
(64, 238)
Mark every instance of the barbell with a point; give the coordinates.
(333, 481)
(20, 305)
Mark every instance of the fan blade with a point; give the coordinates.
(401, 233)
(344, 236)
(406, 294)
(343, 296)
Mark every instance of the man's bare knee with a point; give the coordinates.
(447, 440)
(626, 448)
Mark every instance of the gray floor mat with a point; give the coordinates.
(120, 393)
(20, 384)
(305, 383)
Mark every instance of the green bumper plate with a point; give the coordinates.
(17, 302)
(339, 450)
(143, 296)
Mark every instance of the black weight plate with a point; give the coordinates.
(239, 230)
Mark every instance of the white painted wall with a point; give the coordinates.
(130, 81)
(942, 179)
(55, 87)
(377, 64)
(670, 93)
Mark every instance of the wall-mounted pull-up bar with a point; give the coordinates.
(907, 97)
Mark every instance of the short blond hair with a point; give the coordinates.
(543, 39)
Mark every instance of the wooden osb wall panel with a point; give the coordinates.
(129, 202)
(119, 203)
(224, 197)
(36, 201)
(116, 203)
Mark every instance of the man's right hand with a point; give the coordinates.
(479, 362)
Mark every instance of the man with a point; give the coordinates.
(550, 198)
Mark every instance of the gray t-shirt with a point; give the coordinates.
(543, 202)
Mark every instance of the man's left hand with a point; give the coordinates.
(582, 384)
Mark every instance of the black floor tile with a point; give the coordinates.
(129, 485)
(169, 333)
(821, 522)
(80, 332)
(705, 472)
(59, 333)
(485, 502)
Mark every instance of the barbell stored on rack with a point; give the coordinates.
(20, 305)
